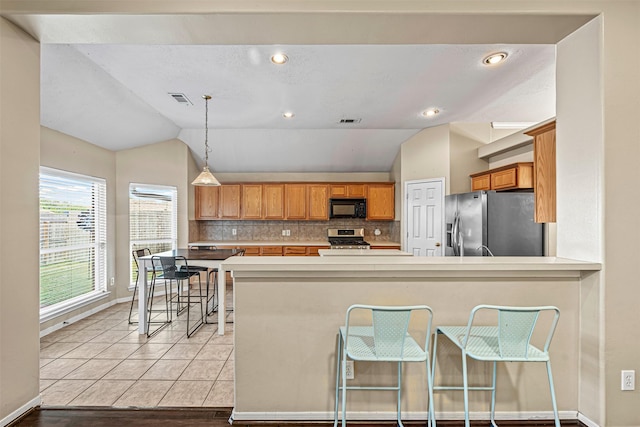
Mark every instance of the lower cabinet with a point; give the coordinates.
(294, 251)
(271, 250)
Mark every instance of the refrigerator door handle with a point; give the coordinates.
(455, 235)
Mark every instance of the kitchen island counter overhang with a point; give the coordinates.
(287, 314)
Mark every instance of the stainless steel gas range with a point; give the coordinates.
(347, 238)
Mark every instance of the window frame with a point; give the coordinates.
(162, 191)
(98, 245)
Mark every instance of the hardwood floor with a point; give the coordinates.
(218, 417)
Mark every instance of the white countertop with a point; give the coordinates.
(363, 252)
(280, 243)
(410, 266)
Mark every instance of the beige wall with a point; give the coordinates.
(463, 157)
(64, 152)
(295, 371)
(163, 163)
(19, 219)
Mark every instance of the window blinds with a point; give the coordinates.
(153, 220)
(73, 236)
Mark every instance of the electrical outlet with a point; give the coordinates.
(350, 369)
(628, 380)
(234, 231)
(112, 281)
(288, 232)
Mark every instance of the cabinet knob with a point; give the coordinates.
(437, 244)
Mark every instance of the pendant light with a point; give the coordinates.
(206, 178)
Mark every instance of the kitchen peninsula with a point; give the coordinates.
(288, 310)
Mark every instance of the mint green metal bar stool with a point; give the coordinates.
(509, 341)
(385, 338)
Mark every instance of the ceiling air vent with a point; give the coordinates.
(349, 121)
(181, 98)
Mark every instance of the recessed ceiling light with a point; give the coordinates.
(430, 112)
(279, 58)
(288, 115)
(495, 58)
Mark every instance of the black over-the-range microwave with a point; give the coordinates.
(347, 208)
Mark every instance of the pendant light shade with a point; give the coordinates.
(206, 178)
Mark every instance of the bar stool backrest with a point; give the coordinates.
(514, 332)
(389, 332)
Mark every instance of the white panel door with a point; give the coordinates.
(425, 205)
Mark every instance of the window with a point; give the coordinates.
(73, 238)
(153, 220)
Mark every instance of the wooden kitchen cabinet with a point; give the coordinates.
(273, 201)
(207, 200)
(313, 250)
(355, 191)
(252, 201)
(544, 172)
(381, 202)
(295, 196)
(318, 199)
(516, 176)
(252, 251)
(230, 201)
(481, 182)
(294, 251)
(374, 246)
(271, 250)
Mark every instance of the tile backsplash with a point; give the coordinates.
(299, 230)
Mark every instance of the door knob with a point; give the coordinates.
(437, 244)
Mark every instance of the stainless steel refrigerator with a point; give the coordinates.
(492, 223)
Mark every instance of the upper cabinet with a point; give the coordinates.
(221, 202)
(516, 176)
(318, 201)
(251, 201)
(273, 201)
(380, 202)
(350, 191)
(230, 201)
(295, 201)
(290, 201)
(207, 202)
(544, 160)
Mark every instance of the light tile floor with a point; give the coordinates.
(103, 361)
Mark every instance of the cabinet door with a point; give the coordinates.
(230, 201)
(271, 251)
(504, 179)
(252, 201)
(296, 201)
(318, 201)
(544, 154)
(380, 203)
(355, 191)
(252, 251)
(273, 201)
(313, 250)
(482, 182)
(294, 251)
(207, 202)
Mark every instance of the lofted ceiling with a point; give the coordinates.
(108, 79)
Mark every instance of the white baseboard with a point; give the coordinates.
(586, 421)
(18, 412)
(75, 318)
(409, 416)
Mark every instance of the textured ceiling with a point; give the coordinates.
(117, 97)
